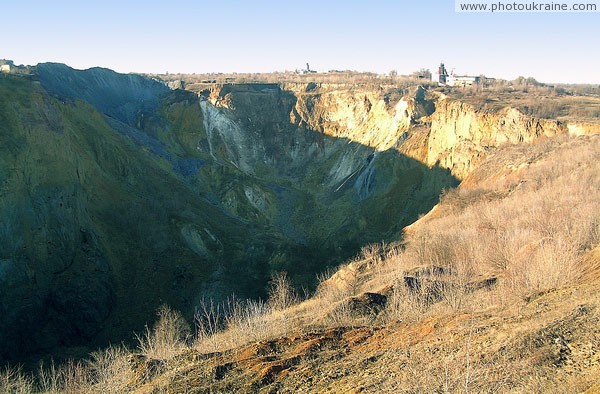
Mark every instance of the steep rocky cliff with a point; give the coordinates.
(460, 135)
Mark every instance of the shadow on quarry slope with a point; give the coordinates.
(121, 96)
(97, 229)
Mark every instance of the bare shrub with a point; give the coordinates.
(221, 326)
(281, 293)
(49, 378)
(238, 322)
(167, 338)
(550, 264)
(372, 253)
(69, 378)
(209, 321)
(250, 317)
(109, 370)
(405, 305)
(14, 381)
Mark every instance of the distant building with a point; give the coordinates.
(308, 70)
(5, 68)
(461, 80)
(442, 74)
(450, 79)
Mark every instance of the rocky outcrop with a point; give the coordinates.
(460, 136)
(430, 127)
(583, 128)
(329, 143)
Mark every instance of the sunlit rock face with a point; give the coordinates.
(460, 136)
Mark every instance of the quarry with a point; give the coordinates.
(125, 193)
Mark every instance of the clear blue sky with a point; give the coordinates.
(274, 35)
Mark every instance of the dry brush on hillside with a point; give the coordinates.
(495, 290)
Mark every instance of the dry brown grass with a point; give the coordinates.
(237, 322)
(527, 217)
(109, 370)
(106, 372)
(524, 219)
(530, 227)
(69, 378)
(14, 381)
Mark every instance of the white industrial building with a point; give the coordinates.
(451, 79)
(461, 80)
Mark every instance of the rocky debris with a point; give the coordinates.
(144, 369)
(221, 370)
(481, 283)
(432, 281)
(417, 276)
(367, 304)
(348, 276)
(274, 369)
(429, 282)
(271, 361)
(176, 84)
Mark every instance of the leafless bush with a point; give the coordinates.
(209, 319)
(405, 305)
(69, 378)
(281, 293)
(109, 370)
(545, 108)
(14, 381)
(238, 322)
(249, 317)
(167, 338)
